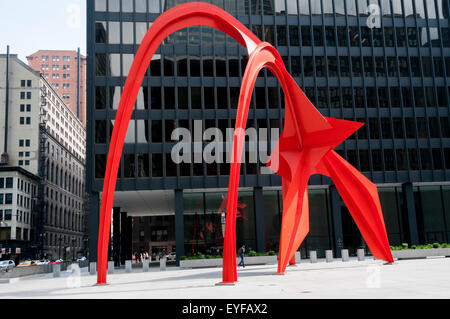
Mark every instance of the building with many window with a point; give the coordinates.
(66, 71)
(45, 141)
(390, 70)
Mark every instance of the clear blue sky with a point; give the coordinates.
(32, 25)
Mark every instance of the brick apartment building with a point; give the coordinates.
(60, 68)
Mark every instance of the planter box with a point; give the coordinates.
(217, 262)
(420, 253)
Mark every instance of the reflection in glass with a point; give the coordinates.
(100, 64)
(362, 8)
(100, 32)
(143, 165)
(141, 6)
(114, 5)
(351, 7)
(420, 9)
(142, 131)
(141, 30)
(127, 61)
(327, 7)
(114, 97)
(280, 7)
(385, 8)
(315, 8)
(397, 8)
(114, 32)
(431, 10)
(408, 7)
(131, 133)
(100, 5)
(128, 167)
(304, 7)
(153, 6)
(127, 33)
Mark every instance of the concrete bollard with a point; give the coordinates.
(56, 270)
(360, 253)
(4, 277)
(344, 254)
(128, 266)
(162, 263)
(298, 257)
(110, 267)
(93, 268)
(146, 265)
(313, 256)
(329, 256)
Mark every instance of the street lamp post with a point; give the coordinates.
(73, 247)
(59, 239)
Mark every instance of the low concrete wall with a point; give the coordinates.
(420, 253)
(217, 262)
(41, 269)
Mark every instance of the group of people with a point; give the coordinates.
(139, 257)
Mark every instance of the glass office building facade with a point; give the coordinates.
(390, 71)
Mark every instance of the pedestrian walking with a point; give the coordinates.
(241, 253)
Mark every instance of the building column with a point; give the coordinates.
(129, 236)
(408, 200)
(179, 224)
(116, 236)
(123, 237)
(338, 242)
(259, 219)
(94, 216)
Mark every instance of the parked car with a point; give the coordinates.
(7, 265)
(58, 261)
(82, 259)
(42, 262)
(27, 263)
(172, 256)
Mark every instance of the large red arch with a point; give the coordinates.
(305, 146)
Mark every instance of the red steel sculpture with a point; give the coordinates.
(305, 146)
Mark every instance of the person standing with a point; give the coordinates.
(241, 253)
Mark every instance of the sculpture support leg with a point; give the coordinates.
(361, 197)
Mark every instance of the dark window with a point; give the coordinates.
(169, 98)
(281, 35)
(296, 66)
(376, 160)
(383, 97)
(156, 131)
(354, 36)
(392, 66)
(100, 97)
(379, 65)
(421, 127)
(401, 37)
(194, 67)
(434, 127)
(100, 64)
(442, 97)
(437, 158)
(401, 160)
(342, 36)
(364, 160)
(308, 66)
(330, 36)
(100, 32)
(438, 66)
(362, 132)
(410, 127)
(182, 67)
(332, 66)
(183, 98)
(359, 97)
(371, 97)
(100, 165)
(426, 66)
(425, 158)
(129, 166)
(306, 36)
(9, 182)
(356, 66)
(389, 161)
(157, 165)
(294, 36)
(269, 34)
(389, 36)
(377, 37)
(429, 91)
(374, 130)
(386, 128)
(419, 97)
(365, 37)
(155, 97)
(445, 127)
(345, 65)
(413, 159)
(320, 65)
(208, 67)
(415, 66)
(398, 127)
(100, 131)
(171, 167)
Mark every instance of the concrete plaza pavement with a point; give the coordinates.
(421, 278)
